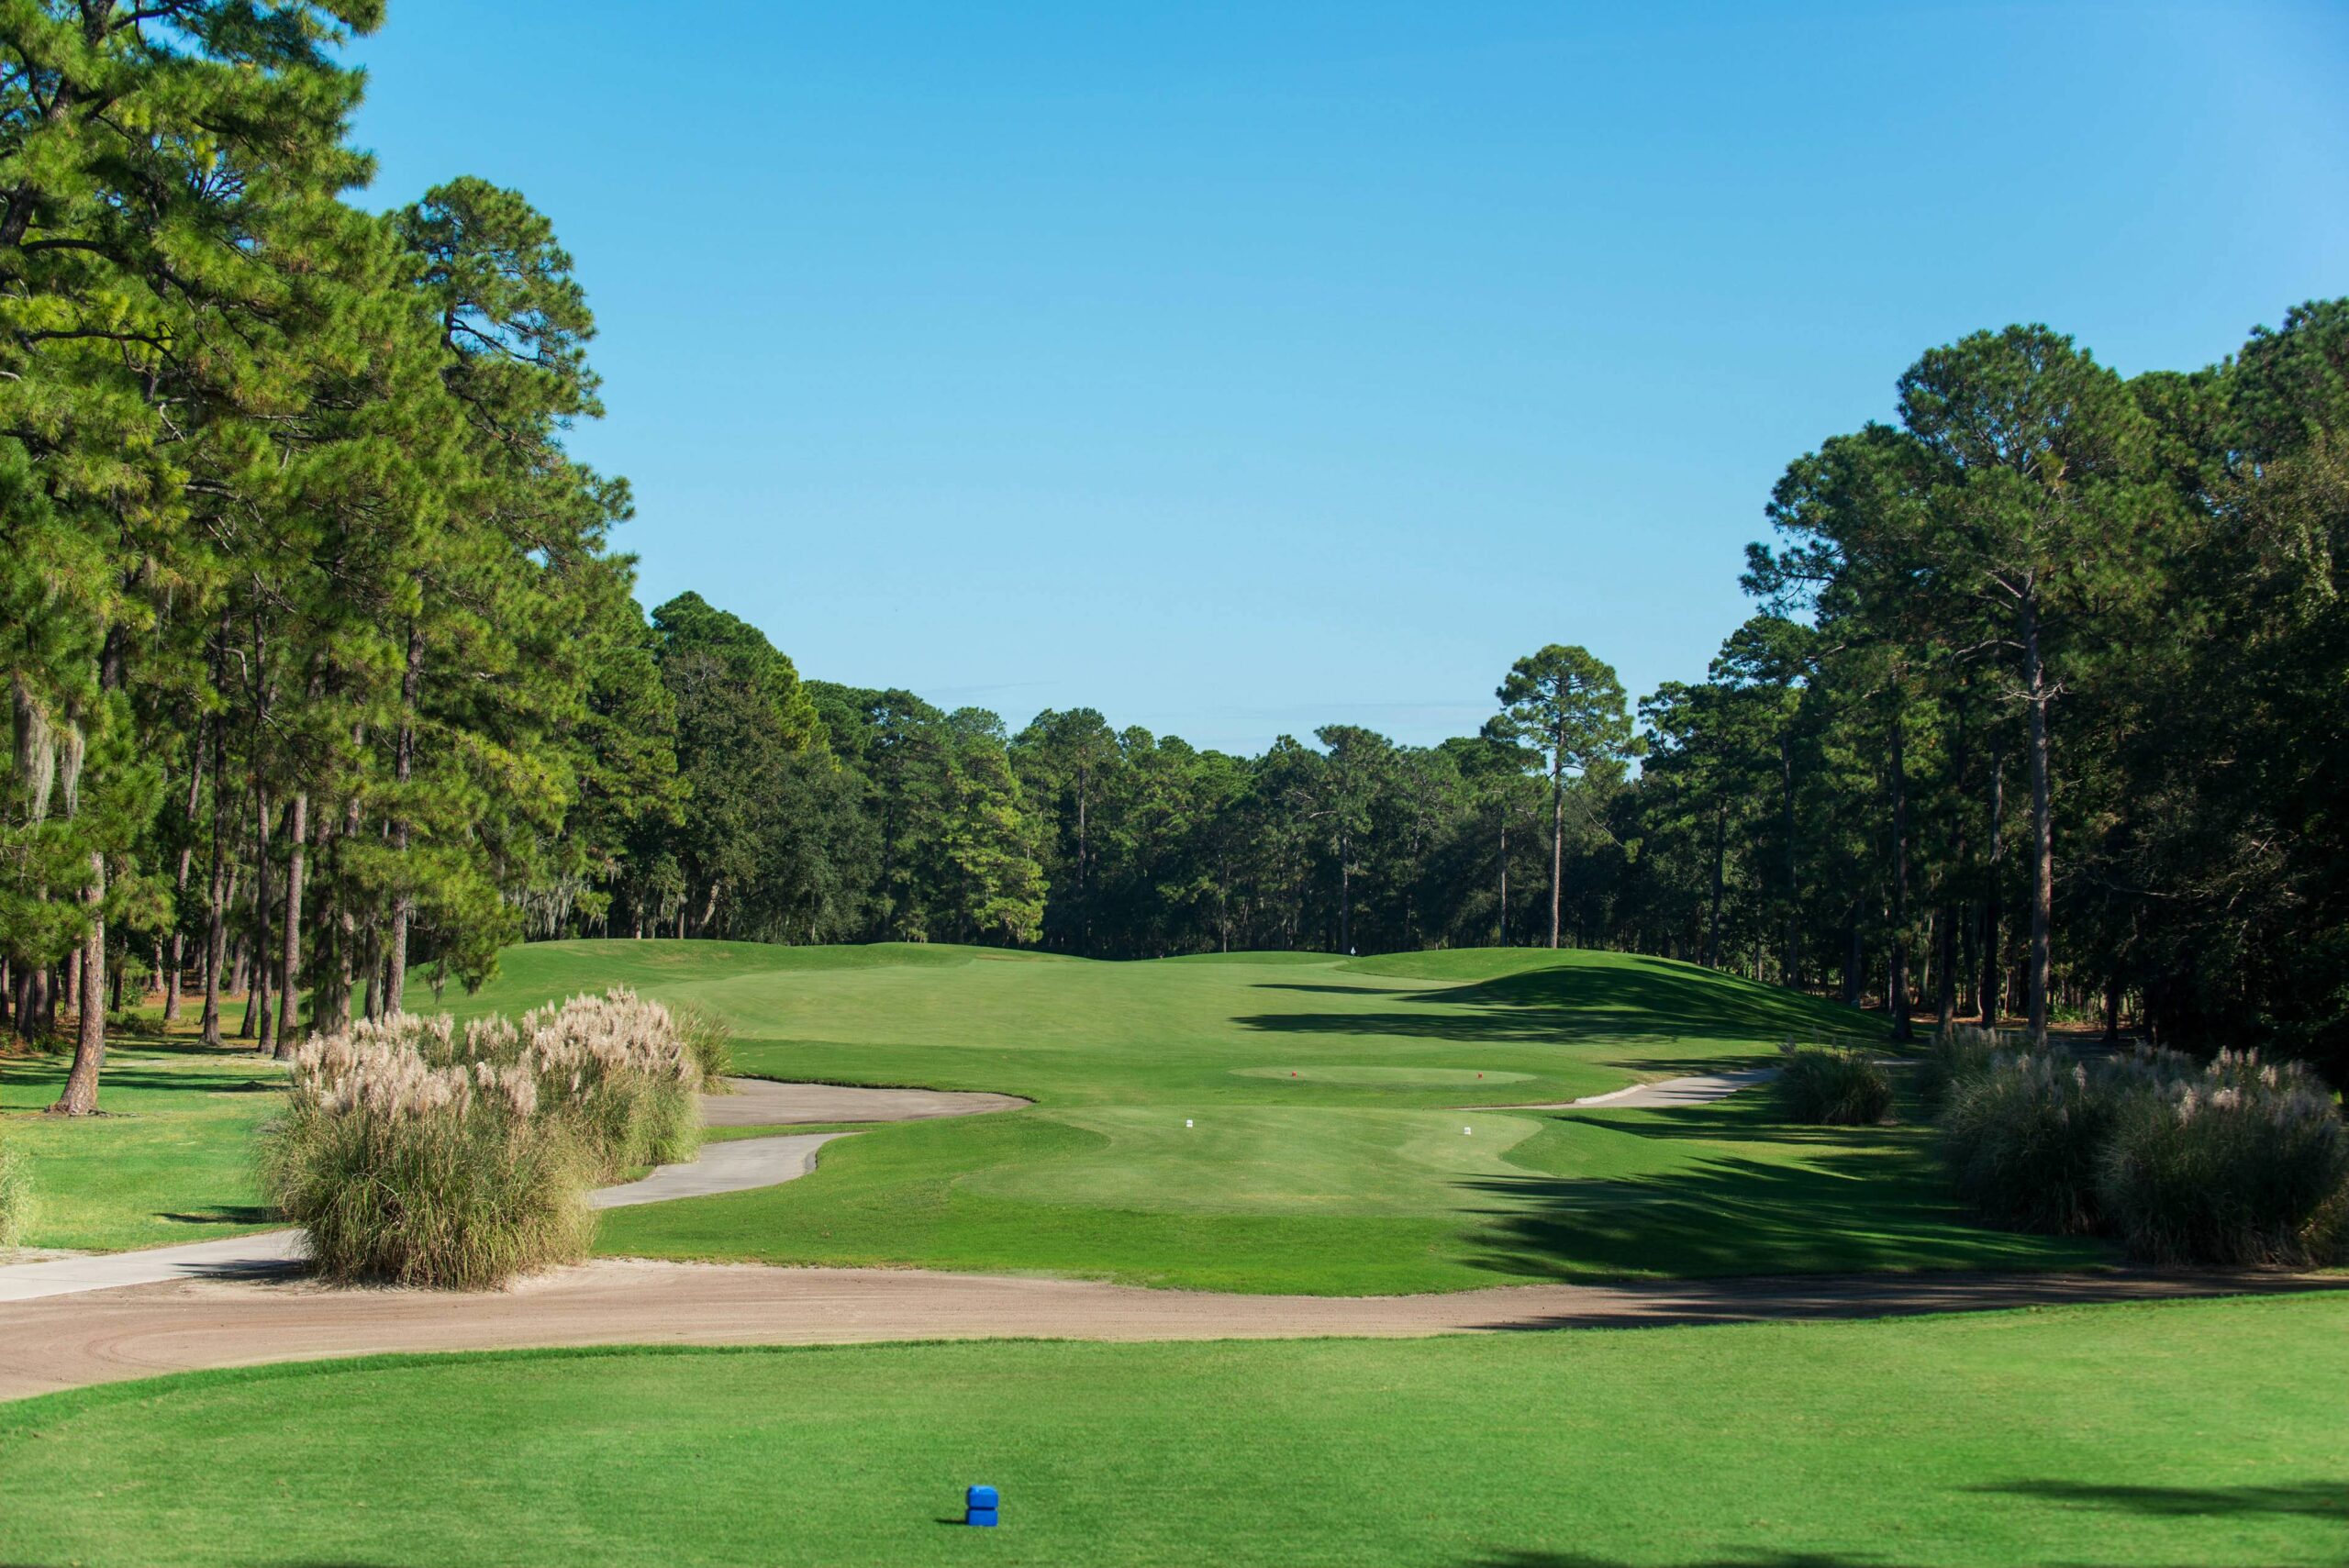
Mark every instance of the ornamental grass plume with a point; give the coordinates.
(411, 1173)
(2243, 1164)
(16, 1195)
(1830, 1085)
(616, 1069)
(2023, 1140)
(416, 1153)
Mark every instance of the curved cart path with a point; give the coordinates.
(138, 1332)
(1690, 1091)
(71, 1321)
(735, 1166)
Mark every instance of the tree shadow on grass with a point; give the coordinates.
(1846, 1207)
(1509, 1559)
(45, 1074)
(1574, 1004)
(2305, 1499)
(1517, 1559)
(226, 1214)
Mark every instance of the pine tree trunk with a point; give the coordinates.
(1985, 983)
(1503, 876)
(1896, 1000)
(1557, 837)
(81, 1096)
(1345, 897)
(403, 769)
(1721, 858)
(289, 977)
(263, 900)
(216, 931)
(2043, 821)
(1794, 889)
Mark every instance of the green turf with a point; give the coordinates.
(2177, 1434)
(172, 1161)
(1325, 1152)
(1351, 1176)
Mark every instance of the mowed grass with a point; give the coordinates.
(1327, 1149)
(2185, 1433)
(171, 1160)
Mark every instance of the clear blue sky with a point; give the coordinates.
(1236, 368)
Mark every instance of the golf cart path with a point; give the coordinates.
(69, 1341)
(734, 1165)
(731, 1166)
(73, 1321)
(1690, 1091)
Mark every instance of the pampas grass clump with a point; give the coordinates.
(2245, 1164)
(412, 1173)
(1956, 1053)
(2024, 1140)
(1831, 1086)
(418, 1155)
(16, 1195)
(710, 1041)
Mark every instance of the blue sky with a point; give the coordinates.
(1237, 369)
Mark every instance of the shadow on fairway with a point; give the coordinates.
(1631, 1000)
(1507, 1559)
(226, 1214)
(2306, 1499)
(1847, 1207)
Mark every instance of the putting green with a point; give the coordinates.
(1356, 1076)
(1256, 1160)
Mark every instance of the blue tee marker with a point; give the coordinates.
(979, 1505)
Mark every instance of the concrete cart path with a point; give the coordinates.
(138, 1332)
(736, 1166)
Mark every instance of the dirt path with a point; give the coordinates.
(68, 1341)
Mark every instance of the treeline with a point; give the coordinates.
(322, 676)
(2039, 719)
(317, 663)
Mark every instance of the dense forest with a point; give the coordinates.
(326, 681)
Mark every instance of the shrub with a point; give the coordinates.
(616, 1069)
(416, 1154)
(1832, 1085)
(1958, 1052)
(16, 1195)
(2025, 1139)
(419, 1175)
(709, 1040)
(2245, 1164)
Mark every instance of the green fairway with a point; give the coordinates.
(2175, 1434)
(1325, 1149)
(172, 1161)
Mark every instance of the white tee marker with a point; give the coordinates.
(1463, 1132)
(1186, 1121)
